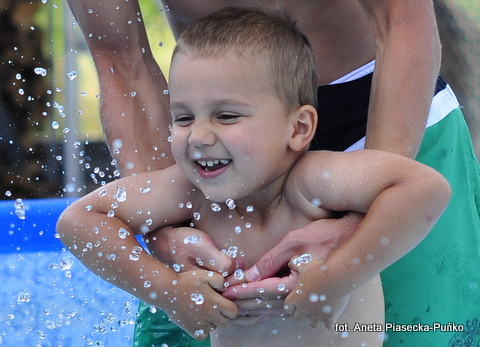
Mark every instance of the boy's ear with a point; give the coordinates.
(304, 121)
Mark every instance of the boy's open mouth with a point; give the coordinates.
(213, 165)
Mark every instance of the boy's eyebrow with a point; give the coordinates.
(215, 103)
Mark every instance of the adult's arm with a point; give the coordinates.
(407, 65)
(133, 107)
(408, 55)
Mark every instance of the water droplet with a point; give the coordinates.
(145, 189)
(40, 71)
(231, 252)
(23, 297)
(122, 233)
(111, 213)
(197, 155)
(21, 91)
(313, 297)
(147, 284)
(176, 267)
(303, 259)
(197, 298)
(193, 239)
(120, 194)
(117, 143)
(72, 75)
(66, 263)
(230, 204)
(133, 94)
(249, 209)
(238, 230)
(102, 192)
(196, 216)
(327, 309)
(281, 287)
(384, 241)
(165, 92)
(20, 209)
(316, 202)
(55, 125)
(239, 274)
(216, 207)
(198, 332)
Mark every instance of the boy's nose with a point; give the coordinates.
(201, 135)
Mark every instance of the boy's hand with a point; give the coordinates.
(190, 249)
(313, 299)
(194, 304)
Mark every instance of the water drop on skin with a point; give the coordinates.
(230, 204)
(216, 207)
(303, 259)
(197, 298)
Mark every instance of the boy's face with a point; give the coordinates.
(230, 130)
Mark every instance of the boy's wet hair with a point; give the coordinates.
(264, 34)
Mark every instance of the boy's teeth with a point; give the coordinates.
(210, 163)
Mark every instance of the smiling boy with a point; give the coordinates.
(243, 93)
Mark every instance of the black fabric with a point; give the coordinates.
(343, 111)
(342, 114)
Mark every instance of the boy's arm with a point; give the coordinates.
(99, 230)
(133, 106)
(408, 55)
(402, 199)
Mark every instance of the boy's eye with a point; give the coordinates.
(228, 118)
(183, 120)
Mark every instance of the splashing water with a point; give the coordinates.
(20, 209)
(303, 259)
(197, 298)
(66, 263)
(23, 297)
(230, 204)
(198, 332)
(239, 274)
(216, 207)
(120, 194)
(231, 252)
(136, 250)
(40, 71)
(145, 189)
(72, 75)
(122, 233)
(197, 155)
(193, 239)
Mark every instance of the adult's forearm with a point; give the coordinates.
(134, 107)
(407, 65)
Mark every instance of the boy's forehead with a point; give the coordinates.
(220, 65)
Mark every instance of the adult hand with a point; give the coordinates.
(319, 238)
(189, 249)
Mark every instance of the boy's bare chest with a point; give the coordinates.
(246, 235)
